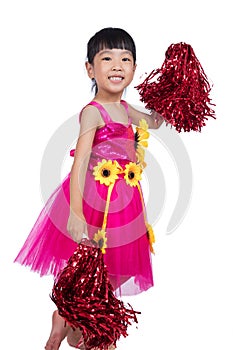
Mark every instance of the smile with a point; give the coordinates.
(116, 78)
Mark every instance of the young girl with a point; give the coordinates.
(101, 196)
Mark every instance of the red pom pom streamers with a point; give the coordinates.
(85, 299)
(179, 90)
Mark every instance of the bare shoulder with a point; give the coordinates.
(90, 111)
(90, 117)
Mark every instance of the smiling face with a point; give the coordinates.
(113, 70)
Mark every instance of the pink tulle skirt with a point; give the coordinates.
(128, 257)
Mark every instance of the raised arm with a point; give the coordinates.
(154, 120)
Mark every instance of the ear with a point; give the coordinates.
(134, 68)
(90, 71)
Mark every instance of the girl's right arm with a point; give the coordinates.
(90, 120)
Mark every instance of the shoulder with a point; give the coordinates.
(125, 105)
(89, 110)
(90, 116)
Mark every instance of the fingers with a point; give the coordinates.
(76, 226)
(85, 229)
(77, 232)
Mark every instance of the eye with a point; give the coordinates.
(106, 58)
(126, 59)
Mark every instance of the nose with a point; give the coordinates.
(116, 67)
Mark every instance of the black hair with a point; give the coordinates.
(110, 38)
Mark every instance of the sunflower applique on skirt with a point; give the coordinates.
(108, 171)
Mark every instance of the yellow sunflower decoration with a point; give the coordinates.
(140, 154)
(106, 172)
(101, 240)
(141, 137)
(142, 134)
(151, 237)
(132, 174)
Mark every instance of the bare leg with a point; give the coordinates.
(74, 338)
(58, 333)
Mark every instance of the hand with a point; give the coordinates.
(76, 226)
(158, 119)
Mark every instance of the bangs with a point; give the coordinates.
(110, 38)
(116, 42)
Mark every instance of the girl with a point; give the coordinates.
(102, 189)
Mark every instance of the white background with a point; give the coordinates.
(43, 83)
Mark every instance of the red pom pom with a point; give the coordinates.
(85, 299)
(179, 90)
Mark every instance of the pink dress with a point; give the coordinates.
(128, 256)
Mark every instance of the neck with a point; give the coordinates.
(107, 98)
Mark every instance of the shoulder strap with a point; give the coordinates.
(125, 104)
(103, 112)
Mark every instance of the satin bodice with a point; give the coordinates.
(114, 140)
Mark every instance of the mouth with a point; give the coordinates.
(116, 78)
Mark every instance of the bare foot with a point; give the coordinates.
(58, 333)
(74, 338)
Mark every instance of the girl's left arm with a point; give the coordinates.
(154, 120)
